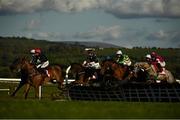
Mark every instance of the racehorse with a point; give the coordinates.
(30, 76)
(153, 75)
(81, 74)
(141, 75)
(110, 70)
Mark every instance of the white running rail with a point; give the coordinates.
(17, 80)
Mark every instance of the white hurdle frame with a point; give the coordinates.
(17, 80)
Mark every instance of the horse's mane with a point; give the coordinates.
(108, 60)
(140, 63)
(20, 58)
(75, 64)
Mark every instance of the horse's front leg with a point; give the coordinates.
(36, 91)
(17, 89)
(27, 90)
(60, 81)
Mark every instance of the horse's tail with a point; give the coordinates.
(170, 77)
(67, 72)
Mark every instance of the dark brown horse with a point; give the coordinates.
(30, 76)
(81, 74)
(110, 70)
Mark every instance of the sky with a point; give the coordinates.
(127, 23)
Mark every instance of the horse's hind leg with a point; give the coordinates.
(27, 90)
(170, 78)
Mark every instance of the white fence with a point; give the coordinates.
(17, 80)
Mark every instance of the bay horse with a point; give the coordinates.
(153, 75)
(81, 74)
(110, 70)
(30, 76)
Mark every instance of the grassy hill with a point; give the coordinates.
(92, 44)
(65, 53)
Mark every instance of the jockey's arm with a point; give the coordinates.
(86, 64)
(33, 60)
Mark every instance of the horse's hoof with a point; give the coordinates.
(12, 95)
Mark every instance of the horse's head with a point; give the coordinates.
(18, 64)
(142, 65)
(142, 70)
(107, 65)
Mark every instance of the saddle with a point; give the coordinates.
(44, 71)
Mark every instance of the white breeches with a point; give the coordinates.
(163, 64)
(43, 65)
(92, 64)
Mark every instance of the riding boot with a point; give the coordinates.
(42, 71)
(39, 70)
(94, 75)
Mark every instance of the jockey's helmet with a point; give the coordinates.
(148, 56)
(32, 51)
(153, 54)
(35, 51)
(119, 52)
(38, 50)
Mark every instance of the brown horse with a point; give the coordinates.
(110, 70)
(81, 74)
(30, 76)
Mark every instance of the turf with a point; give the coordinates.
(48, 108)
(14, 108)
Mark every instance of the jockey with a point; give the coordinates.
(158, 62)
(92, 62)
(148, 59)
(122, 59)
(39, 60)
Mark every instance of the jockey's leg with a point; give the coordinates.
(45, 71)
(38, 68)
(93, 74)
(43, 68)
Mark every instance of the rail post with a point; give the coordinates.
(40, 92)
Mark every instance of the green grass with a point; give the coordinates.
(18, 108)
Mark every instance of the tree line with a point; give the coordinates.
(66, 53)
